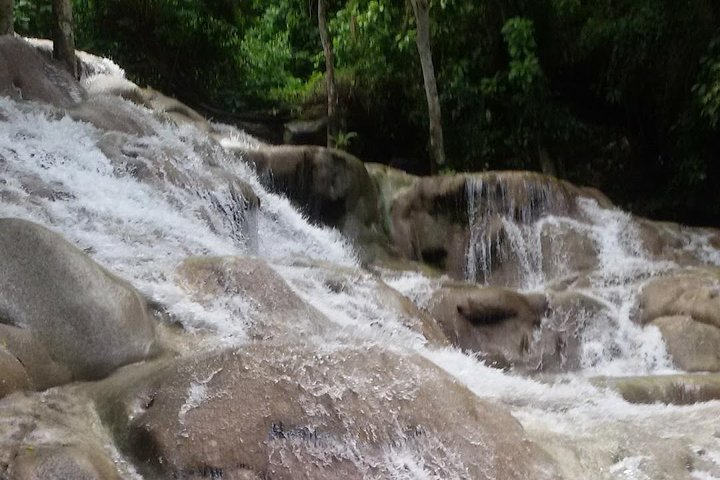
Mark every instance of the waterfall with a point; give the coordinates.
(162, 202)
(503, 215)
(143, 201)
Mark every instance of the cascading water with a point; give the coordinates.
(526, 240)
(143, 228)
(166, 199)
(502, 214)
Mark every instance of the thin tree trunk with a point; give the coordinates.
(422, 19)
(332, 129)
(64, 35)
(6, 17)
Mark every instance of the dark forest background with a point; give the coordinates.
(623, 95)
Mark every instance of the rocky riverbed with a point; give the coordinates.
(181, 300)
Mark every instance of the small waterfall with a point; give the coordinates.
(532, 234)
(503, 211)
(613, 343)
(140, 203)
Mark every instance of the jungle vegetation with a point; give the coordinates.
(622, 95)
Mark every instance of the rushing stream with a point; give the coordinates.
(54, 171)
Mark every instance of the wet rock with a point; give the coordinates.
(595, 194)
(411, 316)
(659, 237)
(88, 64)
(430, 223)
(26, 75)
(558, 345)
(35, 186)
(389, 311)
(109, 114)
(495, 322)
(64, 463)
(566, 250)
(115, 86)
(437, 219)
(332, 187)
(55, 435)
(668, 241)
(693, 346)
(265, 302)
(389, 183)
(693, 293)
(41, 370)
(14, 376)
(174, 110)
(271, 309)
(669, 389)
(52, 294)
(322, 413)
(232, 199)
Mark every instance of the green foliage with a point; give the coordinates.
(621, 94)
(266, 55)
(707, 90)
(343, 139)
(524, 69)
(33, 18)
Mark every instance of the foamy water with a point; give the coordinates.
(53, 171)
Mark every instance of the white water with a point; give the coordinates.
(53, 172)
(537, 241)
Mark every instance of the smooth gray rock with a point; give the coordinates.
(286, 411)
(88, 320)
(26, 75)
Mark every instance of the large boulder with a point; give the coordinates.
(497, 323)
(258, 296)
(430, 223)
(323, 413)
(411, 316)
(348, 289)
(449, 221)
(686, 246)
(332, 187)
(55, 435)
(174, 110)
(685, 306)
(110, 114)
(668, 389)
(695, 293)
(271, 309)
(115, 86)
(14, 376)
(26, 75)
(566, 250)
(37, 365)
(62, 463)
(229, 204)
(62, 312)
(389, 183)
(693, 346)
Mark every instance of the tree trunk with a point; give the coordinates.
(332, 121)
(63, 35)
(6, 17)
(421, 8)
